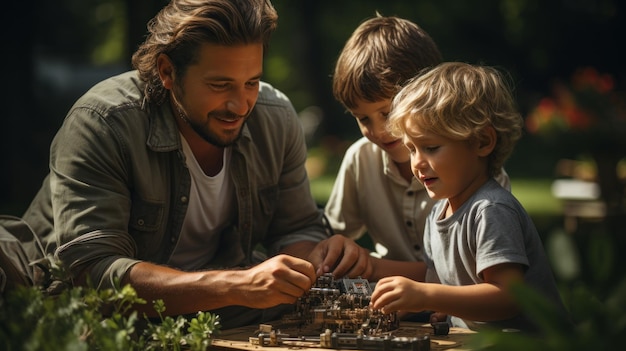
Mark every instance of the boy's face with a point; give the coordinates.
(448, 169)
(371, 118)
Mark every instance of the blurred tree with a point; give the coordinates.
(58, 49)
(17, 98)
(138, 13)
(534, 40)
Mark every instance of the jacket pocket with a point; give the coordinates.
(268, 198)
(145, 216)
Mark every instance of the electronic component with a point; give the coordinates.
(336, 314)
(341, 306)
(346, 341)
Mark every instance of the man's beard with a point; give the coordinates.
(206, 134)
(203, 130)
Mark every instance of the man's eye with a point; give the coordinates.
(218, 86)
(253, 84)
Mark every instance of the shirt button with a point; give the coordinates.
(409, 223)
(409, 193)
(417, 247)
(183, 199)
(173, 239)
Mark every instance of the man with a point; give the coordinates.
(170, 177)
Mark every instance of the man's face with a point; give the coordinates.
(371, 118)
(218, 92)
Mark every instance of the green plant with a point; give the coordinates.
(81, 318)
(599, 324)
(171, 334)
(594, 292)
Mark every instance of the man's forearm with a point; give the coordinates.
(181, 292)
(301, 249)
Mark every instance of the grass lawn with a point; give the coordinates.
(534, 194)
(536, 197)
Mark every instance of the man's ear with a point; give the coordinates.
(487, 141)
(166, 71)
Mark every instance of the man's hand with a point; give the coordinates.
(343, 257)
(280, 279)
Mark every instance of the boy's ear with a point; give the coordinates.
(487, 141)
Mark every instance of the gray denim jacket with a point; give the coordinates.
(118, 186)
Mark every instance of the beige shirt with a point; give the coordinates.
(370, 196)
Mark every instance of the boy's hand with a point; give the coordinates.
(394, 294)
(343, 257)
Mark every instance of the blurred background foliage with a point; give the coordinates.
(54, 50)
(59, 49)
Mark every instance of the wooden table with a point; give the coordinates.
(238, 339)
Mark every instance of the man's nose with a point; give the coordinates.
(237, 103)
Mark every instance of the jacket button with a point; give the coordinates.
(140, 221)
(183, 199)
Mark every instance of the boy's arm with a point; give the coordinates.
(414, 270)
(487, 301)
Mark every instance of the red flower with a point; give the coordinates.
(588, 106)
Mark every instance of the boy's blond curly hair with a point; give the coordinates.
(457, 100)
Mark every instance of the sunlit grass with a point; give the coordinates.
(534, 194)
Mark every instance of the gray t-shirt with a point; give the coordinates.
(490, 228)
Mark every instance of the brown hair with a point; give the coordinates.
(380, 56)
(182, 26)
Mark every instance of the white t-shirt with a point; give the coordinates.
(210, 210)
